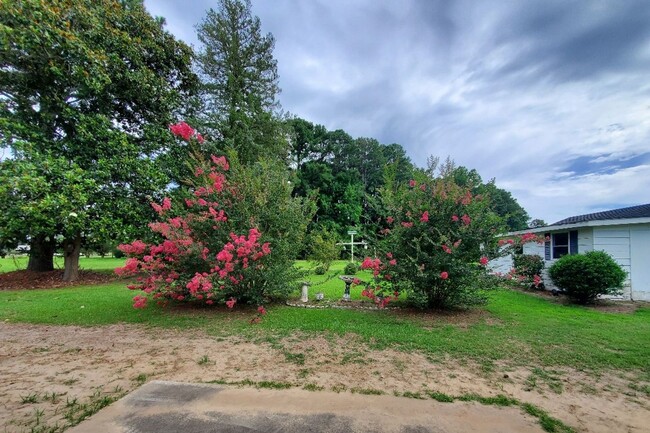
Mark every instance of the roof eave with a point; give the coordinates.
(595, 223)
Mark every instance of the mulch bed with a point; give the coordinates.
(28, 280)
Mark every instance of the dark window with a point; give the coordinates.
(560, 245)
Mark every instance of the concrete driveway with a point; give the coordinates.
(169, 407)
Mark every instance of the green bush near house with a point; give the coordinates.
(586, 276)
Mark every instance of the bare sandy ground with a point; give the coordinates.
(46, 370)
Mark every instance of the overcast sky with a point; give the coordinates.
(551, 98)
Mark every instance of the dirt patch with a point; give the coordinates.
(27, 280)
(80, 365)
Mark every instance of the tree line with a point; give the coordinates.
(88, 89)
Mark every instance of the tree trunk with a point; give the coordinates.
(71, 251)
(41, 255)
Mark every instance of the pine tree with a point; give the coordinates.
(239, 82)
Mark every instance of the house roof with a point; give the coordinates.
(641, 211)
(627, 215)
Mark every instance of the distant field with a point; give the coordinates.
(14, 263)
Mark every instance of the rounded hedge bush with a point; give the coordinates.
(586, 276)
(351, 269)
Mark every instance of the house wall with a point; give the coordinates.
(640, 262)
(615, 241)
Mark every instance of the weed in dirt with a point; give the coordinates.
(644, 389)
(140, 378)
(549, 378)
(339, 387)
(441, 397)
(204, 360)
(353, 358)
(547, 422)
(52, 397)
(367, 391)
(273, 385)
(415, 395)
(313, 387)
(29, 398)
(294, 358)
(304, 372)
(69, 382)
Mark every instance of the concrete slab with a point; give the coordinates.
(166, 407)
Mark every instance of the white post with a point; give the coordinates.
(352, 244)
(305, 292)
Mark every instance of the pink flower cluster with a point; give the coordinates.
(169, 270)
(185, 131)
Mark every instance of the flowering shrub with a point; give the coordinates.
(437, 240)
(221, 243)
(530, 267)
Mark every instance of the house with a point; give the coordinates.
(622, 233)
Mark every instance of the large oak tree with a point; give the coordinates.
(87, 89)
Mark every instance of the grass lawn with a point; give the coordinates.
(16, 263)
(515, 328)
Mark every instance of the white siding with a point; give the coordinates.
(615, 241)
(585, 240)
(640, 262)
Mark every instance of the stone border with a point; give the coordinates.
(328, 304)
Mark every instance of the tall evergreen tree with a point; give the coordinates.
(239, 82)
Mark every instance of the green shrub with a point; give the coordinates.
(323, 249)
(351, 268)
(528, 265)
(118, 254)
(320, 270)
(585, 276)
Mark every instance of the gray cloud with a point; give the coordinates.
(525, 92)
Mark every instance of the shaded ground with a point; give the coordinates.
(28, 280)
(52, 374)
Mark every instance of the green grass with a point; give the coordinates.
(517, 328)
(14, 263)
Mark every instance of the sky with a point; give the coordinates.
(550, 98)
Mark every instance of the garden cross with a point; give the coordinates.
(352, 243)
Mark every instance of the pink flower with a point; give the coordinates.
(221, 162)
(423, 187)
(390, 220)
(466, 219)
(261, 310)
(446, 249)
(392, 262)
(200, 138)
(444, 275)
(454, 218)
(537, 280)
(484, 261)
(182, 129)
(231, 302)
(412, 183)
(425, 217)
(407, 224)
(139, 301)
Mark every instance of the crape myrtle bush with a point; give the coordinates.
(527, 268)
(437, 241)
(528, 265)
(231, 238)
(586, 276)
